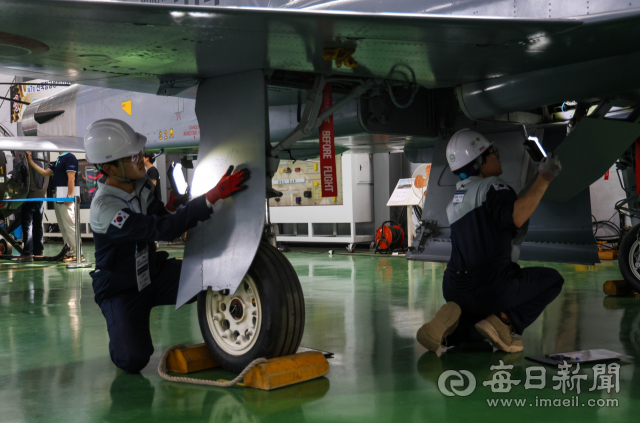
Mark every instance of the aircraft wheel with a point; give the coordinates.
(629, 258)
(263, 318)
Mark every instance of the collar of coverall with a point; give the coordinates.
(464, 182)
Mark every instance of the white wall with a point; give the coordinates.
(604, 195)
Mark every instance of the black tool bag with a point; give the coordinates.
(37, 180)
(20, 173)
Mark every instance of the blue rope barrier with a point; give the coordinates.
(50, 200)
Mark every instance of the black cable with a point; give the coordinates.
(418, 212)
(604, 224)
(12, 82)
(620, 180)
(608, 239)
(15, 101)
(394, 242)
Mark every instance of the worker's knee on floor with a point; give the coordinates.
(551, 278)
(132, 363)
(556, 286)
(131, 360)
(559, 279)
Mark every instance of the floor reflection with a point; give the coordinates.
(365, 309)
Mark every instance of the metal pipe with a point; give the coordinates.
(76, 202)
(311, 109)
(355, 93)
(304, 130)
(78, 264)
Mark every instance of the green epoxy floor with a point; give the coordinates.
(55, 366)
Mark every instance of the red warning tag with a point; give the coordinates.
(327, 148)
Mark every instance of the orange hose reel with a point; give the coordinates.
(389, 236)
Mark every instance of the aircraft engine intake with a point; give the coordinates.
(52, 116)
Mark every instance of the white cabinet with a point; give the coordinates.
(364, 168)
(356, 208)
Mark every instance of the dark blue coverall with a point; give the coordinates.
(121, 223)
(483, 276)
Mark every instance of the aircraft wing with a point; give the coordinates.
(134, 46)
(58, 144)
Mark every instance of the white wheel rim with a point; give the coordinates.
(235, 320)
(634, 259)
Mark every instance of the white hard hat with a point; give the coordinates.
(107, 140)
(464, 147)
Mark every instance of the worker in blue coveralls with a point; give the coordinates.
(131, 277)
(488, 295)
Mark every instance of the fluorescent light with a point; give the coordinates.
(537, 141)
(178, 179)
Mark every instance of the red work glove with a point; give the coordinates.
(170, 207)
(175, 201)
(229, 184)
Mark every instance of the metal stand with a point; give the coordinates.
(410, 228)
(78, 264)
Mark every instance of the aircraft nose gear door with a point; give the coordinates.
(238, 289)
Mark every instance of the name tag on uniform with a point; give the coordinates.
(142, 269)
(459, 196)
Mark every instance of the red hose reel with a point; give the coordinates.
(389, 237)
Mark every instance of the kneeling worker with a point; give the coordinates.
(131, 277)
(488, 294)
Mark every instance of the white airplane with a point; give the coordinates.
(409, 75)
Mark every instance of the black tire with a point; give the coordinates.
(623, 257)
(282, 307)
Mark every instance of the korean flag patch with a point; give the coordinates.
(120, 218)
(500, 186)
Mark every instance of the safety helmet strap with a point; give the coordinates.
(475, 168)
(118, 178)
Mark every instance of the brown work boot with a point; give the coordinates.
(618, 288)
(499, 334)
(432, 335)
(25, 258)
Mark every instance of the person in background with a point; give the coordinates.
(149, 160)
(32, 211)
(64, 172)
